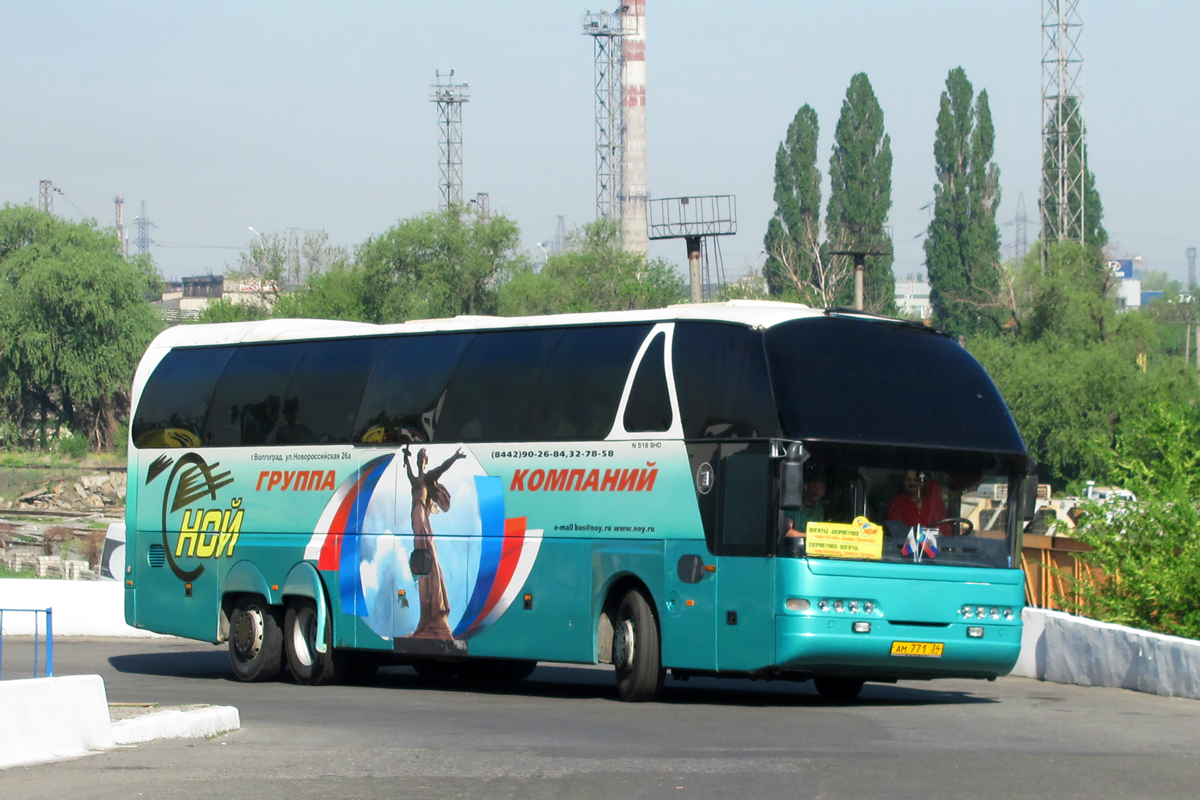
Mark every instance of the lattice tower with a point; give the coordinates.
(606, 30)
(449, 97)
(1064, 167)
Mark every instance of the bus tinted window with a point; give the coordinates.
(649, 406)
(721, 378)
(326, 390)
(581, 385)
(492, 391)
(176, 398)
(404, 395)
(248, 403)
(850, 380)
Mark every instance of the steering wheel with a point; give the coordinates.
(970, 525)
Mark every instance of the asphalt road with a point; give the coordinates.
(564, 733)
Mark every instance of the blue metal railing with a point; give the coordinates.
(48, 672)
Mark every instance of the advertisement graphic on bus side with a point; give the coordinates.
(422, 542)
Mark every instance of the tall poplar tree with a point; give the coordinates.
(793, 233)
(962, 250)
(860, 196)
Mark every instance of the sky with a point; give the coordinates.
(222, 116)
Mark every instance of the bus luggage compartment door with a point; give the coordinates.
(689, 630)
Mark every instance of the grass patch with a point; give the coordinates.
(5, 572)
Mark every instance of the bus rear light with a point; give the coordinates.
(975, 632)
(797, 604)
(861, 627)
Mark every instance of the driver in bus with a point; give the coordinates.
(919, 503)
(812, 510)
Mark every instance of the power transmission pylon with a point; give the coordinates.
(1019, 223)
(1064, 166)
(143, 225)
(449, 97)
(46, 196)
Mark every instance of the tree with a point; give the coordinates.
(592, 274)
(277, 263)
(860, 195)
(793, 240)
(440, 264)
(962, 250)
(74, 323)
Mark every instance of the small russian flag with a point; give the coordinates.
(929, 545)
(911, 544)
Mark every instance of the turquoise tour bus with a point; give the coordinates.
(744, 489)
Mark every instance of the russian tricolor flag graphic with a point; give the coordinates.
(507, 552)
(335, 542)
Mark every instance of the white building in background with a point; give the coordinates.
(912, 296)
(1128, 288)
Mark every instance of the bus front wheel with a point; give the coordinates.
(838, 690)
(635, 649)
(309, 666)
(255, 641)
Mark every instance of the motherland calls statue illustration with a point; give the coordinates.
(428, 497)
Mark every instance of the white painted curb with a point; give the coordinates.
(1062, 648)
(175, 724)
(81, 608)
(46, 719)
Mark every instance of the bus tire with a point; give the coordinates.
(838, 690)
(310, 667)
(636, 649)
(495, 670)
(255, 640)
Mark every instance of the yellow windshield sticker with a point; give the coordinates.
(859, 539)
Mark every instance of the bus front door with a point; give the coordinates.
(689, 629)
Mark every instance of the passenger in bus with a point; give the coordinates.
(919, 502)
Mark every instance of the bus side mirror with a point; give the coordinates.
(420, 563)
(792, 477)
(1029, 495)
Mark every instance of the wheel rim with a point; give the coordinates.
(248, 633)
(304, 636)
(624, 645)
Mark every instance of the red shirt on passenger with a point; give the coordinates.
(930, 510)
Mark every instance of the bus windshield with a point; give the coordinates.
(908, 436)
(916, 506)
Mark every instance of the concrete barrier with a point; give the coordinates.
(1062, 648)
(81, 608)
(176, 724)
(46, 719)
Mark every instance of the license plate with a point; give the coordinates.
(919, 649)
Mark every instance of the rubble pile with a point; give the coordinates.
(98, 491)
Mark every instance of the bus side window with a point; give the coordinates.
(248, 402)
(721, 377)
(649, 406)
(404, 395)
(491, 393)
(322, 401)
(175, 401)
(581, 384)
(748, 524)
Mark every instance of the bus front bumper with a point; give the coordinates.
(822, 645)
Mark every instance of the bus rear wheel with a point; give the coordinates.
(838, 690)
(309, 666)
(636, 650)
(255, 641)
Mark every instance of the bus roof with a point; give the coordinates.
(753, 313)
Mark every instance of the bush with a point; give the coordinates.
(74, 446)
(1148, 551)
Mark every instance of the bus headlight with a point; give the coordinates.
(1008, 614)
(839, 606)
(823, 605)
